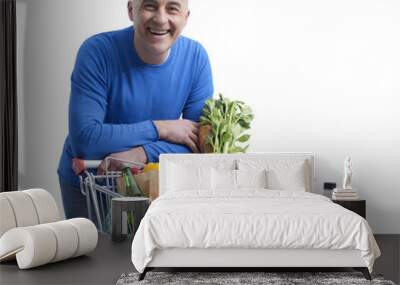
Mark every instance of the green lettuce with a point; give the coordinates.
(229, 120)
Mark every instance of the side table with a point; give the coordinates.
(120, 207)
(357, 206)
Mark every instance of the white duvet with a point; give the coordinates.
(250, 218)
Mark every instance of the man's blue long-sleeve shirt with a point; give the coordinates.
(115, 97)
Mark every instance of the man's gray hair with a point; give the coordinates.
(137, 2)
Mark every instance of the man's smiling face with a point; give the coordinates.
(158, 23)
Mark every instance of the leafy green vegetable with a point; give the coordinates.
(229, 119)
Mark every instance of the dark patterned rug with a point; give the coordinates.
(243, 278)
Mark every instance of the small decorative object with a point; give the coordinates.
(346, 192)
(223, 126)
(348, 173)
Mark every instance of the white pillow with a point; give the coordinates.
(223, 179)
(188, 177)
(282, 174)
(251, 178)
(287, 179)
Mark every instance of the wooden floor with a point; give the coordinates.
(110, 260)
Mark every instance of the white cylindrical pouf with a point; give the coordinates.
(40, 244)
(34, 246)
(23, 207)
(87, 233)
(45, 205)
(7, 218)
(67, 239)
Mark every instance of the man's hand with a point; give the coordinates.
(180, 132)
(136, 154)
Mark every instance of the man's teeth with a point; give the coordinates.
(159, 32)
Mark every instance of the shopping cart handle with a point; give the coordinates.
(80, 165)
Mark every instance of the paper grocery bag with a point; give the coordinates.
(148, 183)
(153, 184)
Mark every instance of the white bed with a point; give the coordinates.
(201, 223)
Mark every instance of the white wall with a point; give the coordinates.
(321, 76)
(49, 35)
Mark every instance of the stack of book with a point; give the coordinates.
(344, 194)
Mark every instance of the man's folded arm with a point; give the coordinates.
(91, 137)
(154, 149)
(202, 90)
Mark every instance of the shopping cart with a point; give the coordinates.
(99, 190)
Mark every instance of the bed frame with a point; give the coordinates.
(250, 259)
(237, 259)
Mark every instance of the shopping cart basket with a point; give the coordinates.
(99, 190)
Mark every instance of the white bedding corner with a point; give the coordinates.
(250, 218)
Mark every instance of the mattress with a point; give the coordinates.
(250, 219)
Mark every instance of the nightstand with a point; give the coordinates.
(357, 206)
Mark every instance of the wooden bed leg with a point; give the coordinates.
(364, 271)
(143, 274)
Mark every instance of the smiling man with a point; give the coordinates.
(156, 31)
(135, 93)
